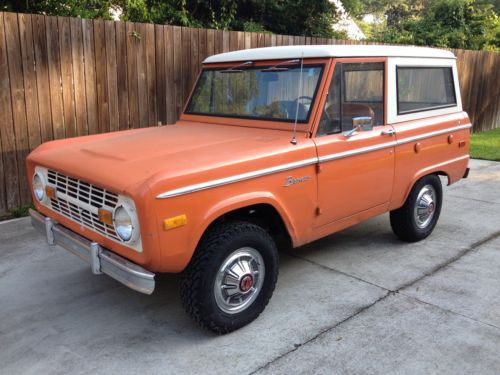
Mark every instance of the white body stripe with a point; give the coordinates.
(303, 163)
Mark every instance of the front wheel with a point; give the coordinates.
(418, 216)
(231, 276)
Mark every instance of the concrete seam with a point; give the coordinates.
(472, 199)
(448, 310)
(388, 293)
(321, 333)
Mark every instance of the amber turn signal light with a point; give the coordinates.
(174, 222)
(50, 191)
(105, 216)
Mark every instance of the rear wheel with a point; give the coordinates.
(231, 276)
(418, 216)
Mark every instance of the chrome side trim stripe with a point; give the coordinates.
(433, 134)
(302, 163)
(237, 178)
(362, 150)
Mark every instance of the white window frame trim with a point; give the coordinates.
(392, 94)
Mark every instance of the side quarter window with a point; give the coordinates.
(356, 90)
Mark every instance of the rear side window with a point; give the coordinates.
(424, 89)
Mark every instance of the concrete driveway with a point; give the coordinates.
(356, 302)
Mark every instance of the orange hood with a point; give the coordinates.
(171, 155)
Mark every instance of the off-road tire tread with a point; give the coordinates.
(192, 275)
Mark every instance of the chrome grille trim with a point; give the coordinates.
(80, 201)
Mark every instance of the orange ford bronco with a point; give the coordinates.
(275, 145)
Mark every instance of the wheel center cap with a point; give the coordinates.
(246, 283)
(431, 208)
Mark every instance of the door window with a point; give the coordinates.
(356, 90)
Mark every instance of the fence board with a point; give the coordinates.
(122, 75)
(67, 76)
(101, 79)
(151, 74)
(18, 99)
(176, 51)
(90, 77)
(42, 77)
(133, 92)
(29, 79)
(161, 72)
(142, 76)
(169, 69)
(78, 63)
(54, 66)
(10, 199)
(111, 75)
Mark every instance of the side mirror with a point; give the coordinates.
(364, 123)
(359, 124)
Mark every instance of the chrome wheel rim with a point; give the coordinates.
(425, 208)
(239, 280)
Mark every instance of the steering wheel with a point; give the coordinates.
(304, 97)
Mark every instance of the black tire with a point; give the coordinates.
(197, 285)
(405, 224)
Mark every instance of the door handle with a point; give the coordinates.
(388, 132)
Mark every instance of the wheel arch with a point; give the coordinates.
(263, 209)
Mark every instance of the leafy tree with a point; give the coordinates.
(465, 24)
(72, 8)
(294, 17)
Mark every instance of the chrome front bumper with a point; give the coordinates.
(101, 260)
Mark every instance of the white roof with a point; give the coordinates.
(338, 50)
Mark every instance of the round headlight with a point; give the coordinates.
(123, 223)
(38, 186)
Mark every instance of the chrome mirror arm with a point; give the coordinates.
(350, 133)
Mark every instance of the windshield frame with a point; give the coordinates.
(268, 123)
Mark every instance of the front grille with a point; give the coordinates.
(80, 201)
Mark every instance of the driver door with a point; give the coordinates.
(356, 169)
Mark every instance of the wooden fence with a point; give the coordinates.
(64, 77)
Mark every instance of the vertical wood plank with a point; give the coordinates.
(55, 77)
(10, 198)
(112, 75)
(161, 74)
(101, 79)
(233, 40)
(90, 76)
(219, 41)
(132, 76)
(202, 47)
(67, 76)
(226, 35)
(142, 83)
(29, 76)
(240, 37)
(122, 74)
(78, 62)
(42, 77)
(170, 70)
(178, 84)
(3, 176)
(151, 74)
(248, 40)
(194, 60)
(18, 102)
(186, 63)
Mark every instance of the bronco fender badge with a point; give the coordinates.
(289, 181)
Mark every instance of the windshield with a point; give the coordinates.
(256, 93)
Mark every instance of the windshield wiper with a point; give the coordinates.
(279, 68)
(233, 68)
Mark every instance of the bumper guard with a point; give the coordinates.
(100, 259)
